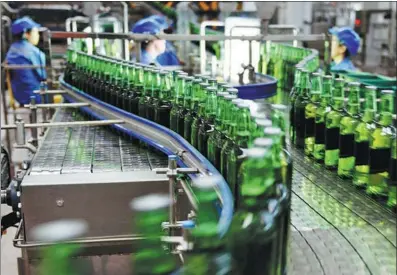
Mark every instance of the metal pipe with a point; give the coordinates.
(67, 124)
(189, 194)
(20, 132)
(8, 8)
(21, 67)
(55, 92)
(58, 105)
(192, 37)
(33, 119)
(203, 56)
(125, 27)
(172, 166)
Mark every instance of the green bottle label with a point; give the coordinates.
(332, 139)
(346, 145)
(361, 153)
(379, 160)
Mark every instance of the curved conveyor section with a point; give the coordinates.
(160, 138)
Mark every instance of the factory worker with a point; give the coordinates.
(25, 52)
(150, 50)
(169, 57)
(345, 43)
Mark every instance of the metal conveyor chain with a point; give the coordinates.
(90, 150)
(337, 230)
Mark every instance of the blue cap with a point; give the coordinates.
(159, 20)
(23, 24)
(348, 37)
(146, 26)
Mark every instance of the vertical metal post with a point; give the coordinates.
(48, 54)
(44, 110)
(125, 27)
(33, 119)
(172, 165)
(20, 132)
(138, 51)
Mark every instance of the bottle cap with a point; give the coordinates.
(150, 202)
(263, 142)
(230, 97)
(232, 91)
(259, 115)
(279, 107)
(272, 131)
(207, 182)
(255, 152)
(263, 122)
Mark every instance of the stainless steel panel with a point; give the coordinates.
(101, 199)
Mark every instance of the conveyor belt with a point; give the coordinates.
(335, 228)
(90, 150)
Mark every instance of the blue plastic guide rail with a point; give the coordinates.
(226, 214)
(258, 90)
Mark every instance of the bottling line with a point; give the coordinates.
(96, 156)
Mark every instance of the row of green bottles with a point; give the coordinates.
(328, 121)
(280, 60)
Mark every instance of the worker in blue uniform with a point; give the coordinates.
(169, 57)
(150, 50)
(345, 43)
(24, 52)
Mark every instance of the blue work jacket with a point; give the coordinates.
(345, 65)
(168, 58)
(25, 81)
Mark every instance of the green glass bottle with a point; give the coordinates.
(177, 102)
(185, 103)
(347, 128)
(261, 125)
(380, 146)
(137, 90)
(332, 123)
(302, 99)
(391, 202)
(229, 144)
(253, 233)
(361, 138)
(151, 258)
(216, 137)
(279, 118)
(294, 93)
(207, 124)
(56, 258)
(199, 118)
(193, 109)
(321, 111)
(279, 160)
(147, 86)
(208, 254)
(163, 103)
(154, 94)
(310, 112)
(241, 141)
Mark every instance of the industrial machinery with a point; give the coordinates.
(96, 156)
